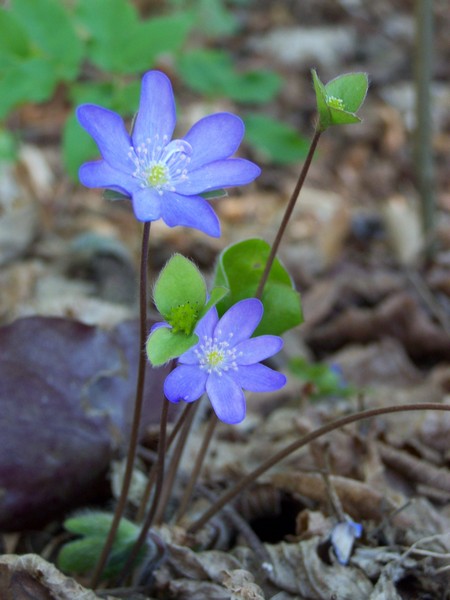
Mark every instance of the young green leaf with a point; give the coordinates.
(338, 100)
(165, 344)
(240, 268)
(81, 555)
(180, 284)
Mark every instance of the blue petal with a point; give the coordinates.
(227, 398)
(147, 205)
(189, 211)
(99, 174)
(219, 174)
(240, 321)
(257, 349)
(156, 115)
(204, 329)
(259, 378)
(214, 138)
(109, 133)
(186, 383)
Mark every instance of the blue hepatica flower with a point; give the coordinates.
(225, 361)
(165, 177)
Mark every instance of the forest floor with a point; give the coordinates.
(376, 309)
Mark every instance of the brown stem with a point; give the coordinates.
(282, 454)
(288, 213)
(159, 476)
(134, 434)
(174, 463)
(198, 465)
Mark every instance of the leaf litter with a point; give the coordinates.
(382, 318)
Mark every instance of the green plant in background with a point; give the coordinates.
(91, 528)
(46, 44)
(327, 380)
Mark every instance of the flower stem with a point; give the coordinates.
(134, 434)
(158, 472)
(174, 463)
(283, 453)
(198, 465)
(288, 213)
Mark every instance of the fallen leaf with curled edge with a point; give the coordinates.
(298, 569)
(30, 577)
(358, 499)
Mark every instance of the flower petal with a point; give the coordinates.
(219, 174)
(186, 383)
(99, 174)
(227, 398)
(204, 329)
(214, 138)
(156, 115)
(109, 133)
(147, 204)
(189, 211)
(240, 321)
(257, 349)
(259, 378)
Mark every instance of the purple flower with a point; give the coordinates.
(165, 178)
(225, 360)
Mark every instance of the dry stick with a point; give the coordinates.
(134, 435)
(282, 454)
(153, 470)
(174, 463)
(198, 465)
(288, 213)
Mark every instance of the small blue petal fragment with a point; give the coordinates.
(343, 537)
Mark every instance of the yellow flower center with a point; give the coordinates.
(214, 358)
(158, 175)
(335, 102)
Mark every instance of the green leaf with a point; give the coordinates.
(14, 41)
(120, 42)
(164, 344)
(323, 109)
(240, 268)
(77, 147)
(212, 72)
(8, 146)
(81, 555)
(277, 141)
(327, 382)
(215, 296)
(180, 283)
(339, 99)
(32, 80)
(51, 28)
(351, 88)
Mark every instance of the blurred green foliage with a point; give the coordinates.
(326, 380)
(98, 49)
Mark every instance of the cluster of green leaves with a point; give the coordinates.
(47, 43)
(181, 297)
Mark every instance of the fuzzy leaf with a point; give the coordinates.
(164, 344)
(180, 283)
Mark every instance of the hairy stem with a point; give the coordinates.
(285, 452)
(134, 434)
(288, 213)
